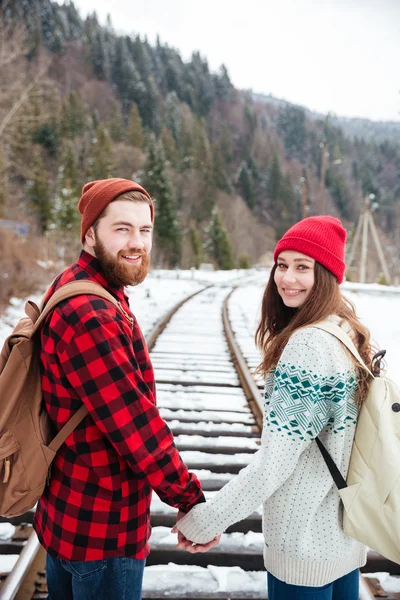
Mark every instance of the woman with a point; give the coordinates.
(313, 388)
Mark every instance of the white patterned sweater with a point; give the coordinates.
(310, 393)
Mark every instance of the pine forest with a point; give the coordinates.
(229, 170)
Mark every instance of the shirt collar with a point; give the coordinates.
(91, 265)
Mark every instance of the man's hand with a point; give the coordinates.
(185, 544)
(181, 538)
(193, 548)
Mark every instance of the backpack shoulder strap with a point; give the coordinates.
(77, 288)
(68, 428)
(341, 335)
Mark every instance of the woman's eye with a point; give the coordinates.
(303, 267)
(281, 266)
(122, 229)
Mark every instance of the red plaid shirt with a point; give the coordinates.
(98, 502)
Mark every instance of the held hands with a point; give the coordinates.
(185, 544)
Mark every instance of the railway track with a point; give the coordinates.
(212, 404)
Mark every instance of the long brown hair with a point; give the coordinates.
(278, 322)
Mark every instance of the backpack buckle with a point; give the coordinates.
(48, 477)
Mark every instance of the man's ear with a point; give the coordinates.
(90, 237)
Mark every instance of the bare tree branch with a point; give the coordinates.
(22, 99)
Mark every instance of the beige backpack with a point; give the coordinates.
(371, 494)
(26, 445)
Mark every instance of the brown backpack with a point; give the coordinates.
(26, 445)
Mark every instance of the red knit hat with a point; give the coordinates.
(322, 238)
(97, 195)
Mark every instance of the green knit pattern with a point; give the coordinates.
(301, 403)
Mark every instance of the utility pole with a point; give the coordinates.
(364, 243)
(366, 223)
(324, 156)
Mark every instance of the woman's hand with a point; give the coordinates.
(185, 544)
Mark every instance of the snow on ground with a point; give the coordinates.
(6, 531)
(174, 579)
(7, 562)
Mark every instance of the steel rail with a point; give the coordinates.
(12, 583)
(250, 388)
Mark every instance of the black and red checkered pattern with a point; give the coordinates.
(98, 501)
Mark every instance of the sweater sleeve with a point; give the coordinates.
(296, 410)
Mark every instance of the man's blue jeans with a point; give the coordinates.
(345, 588)
(118, 578)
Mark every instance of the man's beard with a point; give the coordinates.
(116, 271)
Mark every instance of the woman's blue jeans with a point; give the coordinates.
(344, 588)
(118, 578)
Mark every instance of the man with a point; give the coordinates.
(93, 517)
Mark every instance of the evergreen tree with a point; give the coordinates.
(135, 135)
(98, 53)
(116, 123)
(218, 244)
(35, 35)
(250, 119)
(141, 53)
(67, 215)
(223, 85)
(73, 115)
(172, 116)
(126, 76)
(335, 183)
(292, 127)
(46, 136)
(203, 84)
(220, 174)
(274, 179)
(197, 246)
(227, 144)
(39, 193)
(158, 184)
(286, 206)
(246, 185)
(170, 150)
(203, 161)
(101, 159)
(150, 106)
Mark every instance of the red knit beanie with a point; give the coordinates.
(322, 238)
(97, 195)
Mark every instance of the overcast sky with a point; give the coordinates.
(341, 56)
